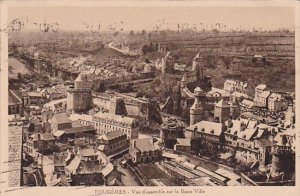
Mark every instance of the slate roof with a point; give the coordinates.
(112, 135)
(143, 145)
(61, 118)
(222, 104)
(74, 164)
(207, 127)
(183, 142)
(107, 169)
(247, 103)
(43, 136)
(261, 87)
(113, 117)
(78, 129)
(88, 152)
(13, 98)
(214, 90)
(247, 134)
(265, 94)
(34, 94)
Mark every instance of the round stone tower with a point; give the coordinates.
(197, 109)
(79, 98)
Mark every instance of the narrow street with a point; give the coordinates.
(128, 179)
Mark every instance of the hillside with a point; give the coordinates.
(15, 67)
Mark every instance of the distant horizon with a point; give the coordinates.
(154, 18)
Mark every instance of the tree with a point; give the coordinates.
(145, 49)
(215, 31)
(143, 32)
(170, 143)
(147, 60)
(150, 47)
(102, 88)
(131, 33)
(19, 76)
(196, 145)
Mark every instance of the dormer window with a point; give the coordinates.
(212, 131)
(202, 129)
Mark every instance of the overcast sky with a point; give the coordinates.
(148, 18)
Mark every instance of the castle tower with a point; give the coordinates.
(117, 106)
(79, 98)
(282, 158)
(197, 109)
(222, 111)
(198, 65)
(168, 63)
(234, 109)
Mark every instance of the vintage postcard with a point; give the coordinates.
(149, 98)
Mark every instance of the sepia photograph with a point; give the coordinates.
(151, 96)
